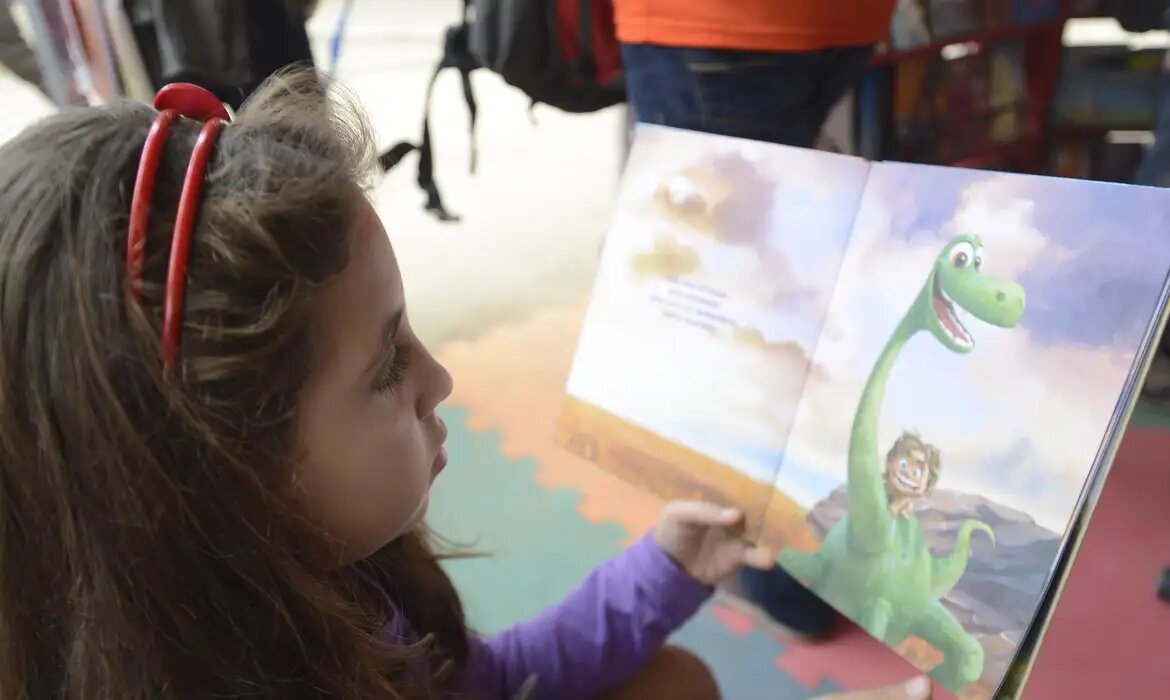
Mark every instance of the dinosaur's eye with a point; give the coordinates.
(963, 254)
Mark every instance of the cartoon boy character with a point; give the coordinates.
(912, 469)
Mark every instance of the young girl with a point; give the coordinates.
(218, 434)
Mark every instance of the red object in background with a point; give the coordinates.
(607, 57)
(1110, 631)
(1042, 52)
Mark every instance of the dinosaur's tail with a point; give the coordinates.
(946, 571)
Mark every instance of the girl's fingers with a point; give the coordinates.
(702, 513)
(759, 558)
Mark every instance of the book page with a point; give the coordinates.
(982, 336)
(710, 296)
(1027, 652)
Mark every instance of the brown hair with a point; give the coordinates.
(910, 440)
(149, 543)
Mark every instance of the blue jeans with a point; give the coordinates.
(1154, 171)
(766, 96)
(1155, 168)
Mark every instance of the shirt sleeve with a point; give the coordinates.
(598, 636)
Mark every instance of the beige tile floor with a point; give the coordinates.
(533, 214)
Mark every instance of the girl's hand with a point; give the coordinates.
(703, 539)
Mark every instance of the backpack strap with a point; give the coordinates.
(585, 63)
(582, 66)
(457, 55)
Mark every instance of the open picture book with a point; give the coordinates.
(912, 379)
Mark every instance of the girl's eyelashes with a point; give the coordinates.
(391, 375)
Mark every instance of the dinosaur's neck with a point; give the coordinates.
(869, 516)
(870, 519)
(863, 444)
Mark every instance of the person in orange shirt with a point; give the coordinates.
(769, 70)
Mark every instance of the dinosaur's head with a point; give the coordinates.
(957, 287)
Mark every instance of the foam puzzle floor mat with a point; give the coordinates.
(544, 518)
(537, 546)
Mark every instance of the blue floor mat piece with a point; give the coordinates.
(731, 656)
(538, 547)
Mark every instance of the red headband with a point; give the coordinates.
(173, 101)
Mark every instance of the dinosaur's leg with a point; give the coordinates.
(876, 618)
(808, 567)
(962, 654)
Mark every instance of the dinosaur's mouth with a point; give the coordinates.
(948, 316)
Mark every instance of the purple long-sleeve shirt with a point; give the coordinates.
(598, 636)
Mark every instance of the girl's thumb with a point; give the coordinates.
(701, 513)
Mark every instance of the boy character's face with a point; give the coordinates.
(370, 439)
(907, 473)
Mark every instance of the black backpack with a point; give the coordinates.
(562, 53)
(1135, 16)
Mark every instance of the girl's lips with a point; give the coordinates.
(441, 457)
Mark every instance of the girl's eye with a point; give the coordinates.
(391, 376)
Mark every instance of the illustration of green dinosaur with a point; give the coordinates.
(875, 566)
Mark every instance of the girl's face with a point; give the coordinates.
(366, 418)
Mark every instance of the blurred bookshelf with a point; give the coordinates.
(1037, 86)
